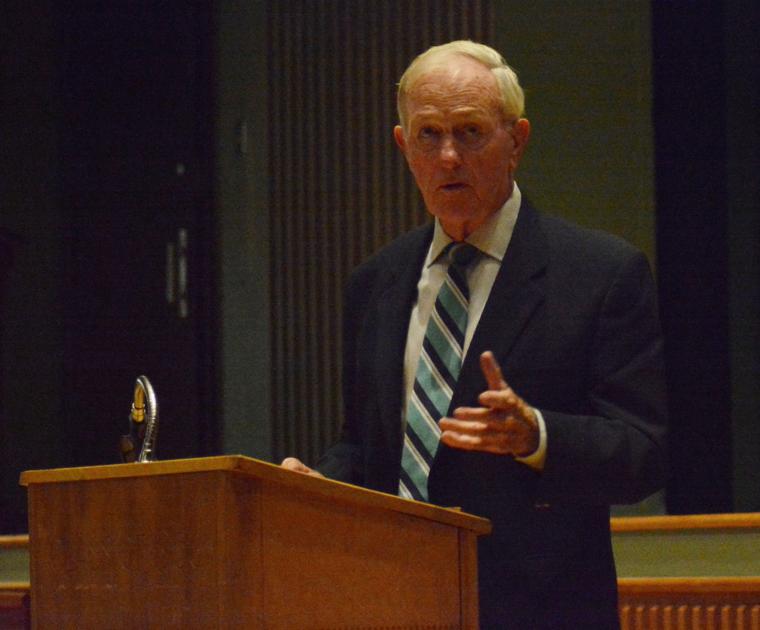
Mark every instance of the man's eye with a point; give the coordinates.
(472, 131)
(428, 133)
(471, 136)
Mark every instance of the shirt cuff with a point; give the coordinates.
(537, 458)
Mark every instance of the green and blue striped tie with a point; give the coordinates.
(437, 374)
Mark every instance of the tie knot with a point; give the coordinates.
(461, 254)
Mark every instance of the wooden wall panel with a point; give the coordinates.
(14, 606)
(728, 603)
(339, 190)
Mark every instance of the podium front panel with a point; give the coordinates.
(233, 543)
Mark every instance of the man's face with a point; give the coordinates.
(459, 148)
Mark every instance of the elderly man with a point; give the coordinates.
(500, 359)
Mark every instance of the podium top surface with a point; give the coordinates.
(246, 466)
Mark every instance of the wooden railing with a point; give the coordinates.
(689, 603)
(14, 606)
(689, 522)
(14, 596)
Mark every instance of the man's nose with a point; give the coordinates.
(449, 152)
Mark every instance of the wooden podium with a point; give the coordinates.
(231, 542)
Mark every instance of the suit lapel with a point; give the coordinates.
(395, 304)
(515, 295)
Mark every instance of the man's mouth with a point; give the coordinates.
(453, 186)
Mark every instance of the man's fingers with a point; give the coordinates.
(462, 425)
(480, 424)
(499, 395)
(505, 438)
(504, 399)
(492, 371)
(477, 413)
(296, 465)
(470, 443)
(495, 418)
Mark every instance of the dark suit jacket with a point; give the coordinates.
(572, 320)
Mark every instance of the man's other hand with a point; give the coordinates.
(505, 424)
(296, 465)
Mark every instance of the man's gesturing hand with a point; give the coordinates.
(505, 424)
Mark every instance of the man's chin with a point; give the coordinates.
(458, 222)
(459, 212)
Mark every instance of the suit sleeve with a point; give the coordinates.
(343, 460)
(615, 454)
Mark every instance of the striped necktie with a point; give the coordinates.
(437, 373)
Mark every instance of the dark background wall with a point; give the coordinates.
(30, 376)
(137, 200)
(706, 113)
(108, 193)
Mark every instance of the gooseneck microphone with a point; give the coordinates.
(143, 424)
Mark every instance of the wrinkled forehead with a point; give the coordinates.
(453, 65)
(453, 82)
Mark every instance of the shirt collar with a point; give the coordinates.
(491, 238)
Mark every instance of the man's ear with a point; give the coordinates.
(398, 136)
(521, 135)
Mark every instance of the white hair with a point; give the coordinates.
(512, 96)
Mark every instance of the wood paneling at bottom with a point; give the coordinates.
(730, 603)
(645, 604)
(14, 606)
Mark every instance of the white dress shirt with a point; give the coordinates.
(492, 239)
